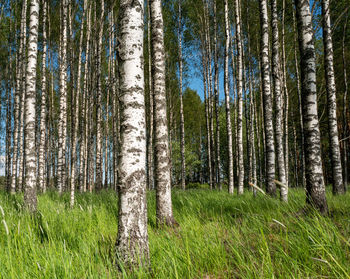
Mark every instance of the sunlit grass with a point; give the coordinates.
(219, 236)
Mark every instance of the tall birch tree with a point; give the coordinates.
(30, 198)
(182, 121)
(239, 85)
(132, 242)
(227, 102)
(337, 171)
(315, 186)
(62, 124)
(276, 77)
(267, 102)
(43, 124)
(162, 165)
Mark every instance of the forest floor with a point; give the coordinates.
(219, 236)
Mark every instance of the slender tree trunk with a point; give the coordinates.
(43, 124)
(205, 81)
(8, 90)
(99, 103)
(337, 175)
(85, 112)
(210, 93)
(227, 102)
(216, 92)
(345, 121)
(132, 243)
(76, 113)
(239, 99)
(30, 198)
(17, 101)
(315, 187)
(267, 102)
(286, 97)
(62, 124)
(276, 76)
(162, 159)
(260, 111)
(115, 111)
(253, 126)
(150, 175)
(182, 121)
(23, 89)
(297, 76)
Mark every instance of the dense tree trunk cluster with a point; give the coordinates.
(91, 100)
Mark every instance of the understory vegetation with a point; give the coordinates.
(218, 236)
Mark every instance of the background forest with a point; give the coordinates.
(237, 123)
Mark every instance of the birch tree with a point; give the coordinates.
(164, 210)
(333, 133)
(239, 84)
(216, 93)
(17, 101)
(99, 102)
(315, 187)
(182, 121)
(227, 102)
(62, 124)
(41, 166)
(267, 102)
(276, 77)
(76, 110)
(30, 198)
(132, 242)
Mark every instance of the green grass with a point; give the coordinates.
(219, 236)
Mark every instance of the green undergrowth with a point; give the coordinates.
(219, 236)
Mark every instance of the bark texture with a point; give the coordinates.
(30, 198)
(62, 124)
(227, 102)
(43, 124)
(267, 100)
(162, 165)
(132, 242)
(182, 120)
(239, 84)
(276, 77)
(315, 187)
(337, 171)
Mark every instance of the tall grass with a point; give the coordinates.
(219, 236)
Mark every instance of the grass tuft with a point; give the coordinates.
(219, 236)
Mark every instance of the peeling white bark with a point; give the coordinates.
(132, 243)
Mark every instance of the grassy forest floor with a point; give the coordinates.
(219, 236)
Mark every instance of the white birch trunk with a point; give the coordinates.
(132, 243)
(76, 112)
(217, 179)
(99, 103)
(227, 102)
(239, 99)
(333, 133)
(315, 187)
(30, 198)
(23, 89)
(267, 100)
(276, 77)
(43, 124)
(62, 124)
(162, 159)
(17, 102)
(182, 121)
